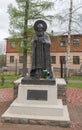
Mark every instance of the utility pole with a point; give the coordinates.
(69, 40)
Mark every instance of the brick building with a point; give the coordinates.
(58, 51)
(14, 58)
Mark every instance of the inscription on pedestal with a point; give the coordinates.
(37, 95)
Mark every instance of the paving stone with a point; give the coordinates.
(74, 96)
(7, 126)
(74, 100)
(75, 113)
(6, 94)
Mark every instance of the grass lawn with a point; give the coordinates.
(74, 85)
(8, 82)
(6, 85)
(11, 77)
(75, 78)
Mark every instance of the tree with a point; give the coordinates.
(2, 47)
(2, 61)
(21, 19)
(69, 39)
(71, 19)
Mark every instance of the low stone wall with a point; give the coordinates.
(62, 93)
(61, 90)
(15, 90)
(16, 85)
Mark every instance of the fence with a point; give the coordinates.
(74, 69)
(16, 67)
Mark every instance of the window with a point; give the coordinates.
(20, 59)
(12, 44)
(53, 59)
(63, 43)
(76, 60)
(11, 59)
(76, 42)
(62, 59)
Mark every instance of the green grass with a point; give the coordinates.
(6, 85)
(11, 77)
(7, 81)
(75, 78)
(74, 85)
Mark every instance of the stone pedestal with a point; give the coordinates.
(37, 104)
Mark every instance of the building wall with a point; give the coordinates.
(55, 46)
(71, 65)
(16, 64)
(10, 49)
(56, 50)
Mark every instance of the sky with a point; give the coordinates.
(4, 17)
(4, 23)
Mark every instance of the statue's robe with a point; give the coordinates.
(41, 55)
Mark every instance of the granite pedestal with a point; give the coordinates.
(37, 104)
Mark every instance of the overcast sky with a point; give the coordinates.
(4, 17)
(4, 23)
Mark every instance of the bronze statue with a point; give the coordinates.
(41, 63)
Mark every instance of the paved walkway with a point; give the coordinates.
(6, 94)
(74, 101)
(74, 95)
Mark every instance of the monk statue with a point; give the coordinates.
(41, 63)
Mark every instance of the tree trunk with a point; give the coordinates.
(25, 39)
(24, 63)
(69, 40)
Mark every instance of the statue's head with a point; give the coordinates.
(40, 25)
